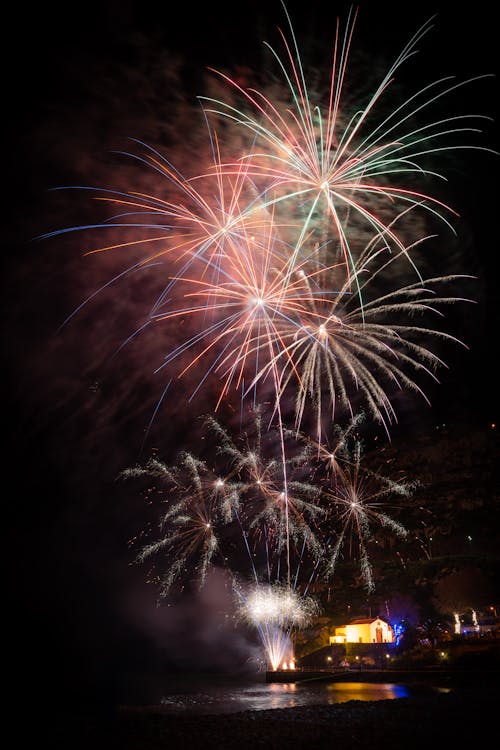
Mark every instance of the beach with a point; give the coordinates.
(466, 718)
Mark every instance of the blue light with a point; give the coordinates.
(398, 629)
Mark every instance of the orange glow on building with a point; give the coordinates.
(372, 630)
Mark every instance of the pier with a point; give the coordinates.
(444, 677)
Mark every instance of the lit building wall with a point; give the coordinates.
(365, 631)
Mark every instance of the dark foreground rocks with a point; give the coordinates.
(467, 718)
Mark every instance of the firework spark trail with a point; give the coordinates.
(234, 255)
(198, 503)
(309, 161)
(358, 498)
(194, 224)
(334, 448)
(278, 507)
(243, 308)
(353, 498)
(364, 351)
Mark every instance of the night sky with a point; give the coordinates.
(76, 86)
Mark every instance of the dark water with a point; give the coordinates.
(209, 694)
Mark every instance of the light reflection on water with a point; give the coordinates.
(365, 691)
(223, 698)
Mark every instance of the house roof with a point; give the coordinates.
(363, 621)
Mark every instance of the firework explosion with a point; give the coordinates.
(294, 277)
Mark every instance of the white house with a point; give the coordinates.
(372, 630)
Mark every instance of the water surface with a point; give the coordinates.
(209, 694)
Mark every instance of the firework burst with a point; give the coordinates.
(197, 503)
(275, 611)
(279, 507)
(341, 348)
(357, 500)
(316, 165)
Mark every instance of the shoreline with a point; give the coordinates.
(451, 719)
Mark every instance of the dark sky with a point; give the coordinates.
(76, 84)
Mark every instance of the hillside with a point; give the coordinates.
(450, 559)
